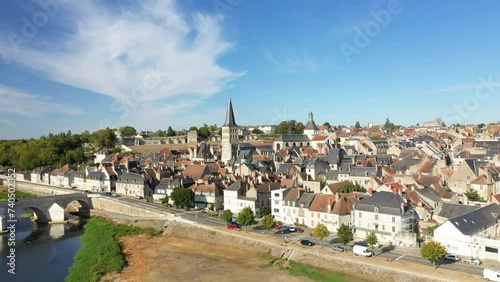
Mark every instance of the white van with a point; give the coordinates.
(362, 251)
(491, 274)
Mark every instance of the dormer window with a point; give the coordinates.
(375, 209)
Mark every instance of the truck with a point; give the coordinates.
(491, 274)
(362, 251)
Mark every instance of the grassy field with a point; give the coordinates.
(101, 252)
(319, 274)
(4, 194)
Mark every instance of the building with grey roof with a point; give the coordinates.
(388, 215)
(473, 234)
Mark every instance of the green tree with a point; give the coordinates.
(345, 234)
(227, 216)
(327, 124)
(160, 133)
(371, 239)
(170, 131)
(320, 231)
(103, 138)
(204, 132)
(357, 125)
(430, 230)
(128, 131)
(85, 137)
(246, 217)
(164, 201)
(265, 210)
(182, 197)
(348, 187)
(473, 195)
(268, 222)
(256, 131)
(481, 125)
(116, 150)
(300, 128)
(433, 251)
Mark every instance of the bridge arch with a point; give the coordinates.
(78, 206)
(40, 216)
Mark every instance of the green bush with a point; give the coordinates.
(101, 252)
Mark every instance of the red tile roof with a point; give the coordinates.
(319, 138)
(481, 180)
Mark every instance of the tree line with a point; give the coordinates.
(53, 149)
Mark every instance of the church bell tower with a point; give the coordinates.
(229, 134)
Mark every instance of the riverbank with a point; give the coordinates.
(187, 251)
(101, 252)
(4, 194)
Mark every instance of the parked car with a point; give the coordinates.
(338, 247)
(139, 197)
(233, 226)
(107, 193)
(452, 257)
(281, 227)
(299, 230)
(292, 229)
(491, 274)
(472, 261)
(87, 191)
(113, 194)
(306, 243)
(362, 251)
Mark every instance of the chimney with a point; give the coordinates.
(402, 208)
(269, 186)
(337, 196)
(182, 182)
(329, 207)
(298, 193)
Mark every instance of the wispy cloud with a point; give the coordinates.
(150, 50)
(292, 62)
(22, 103)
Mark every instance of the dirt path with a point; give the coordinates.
(172, 258)
(202, 255)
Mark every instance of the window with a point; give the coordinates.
(276, 194)
(360, 214)
(276, 202)
(383, 227)
(393, 219)
(318, 215)
(276, 210)
(375, 209)
(393, 229)
(376, 217)
(491, 250)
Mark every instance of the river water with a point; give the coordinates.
(44, 252)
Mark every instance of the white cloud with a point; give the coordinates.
(136, 54)
(21, 103)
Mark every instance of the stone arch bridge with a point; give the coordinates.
(46, 209)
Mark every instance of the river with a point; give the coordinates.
(44, 252)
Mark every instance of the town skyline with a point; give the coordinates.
(345, 62)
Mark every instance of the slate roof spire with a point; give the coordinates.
(310, 123)
(230, 115)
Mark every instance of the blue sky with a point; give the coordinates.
(151, 64)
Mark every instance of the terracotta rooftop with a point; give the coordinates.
(481, 180)
(319, 138)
